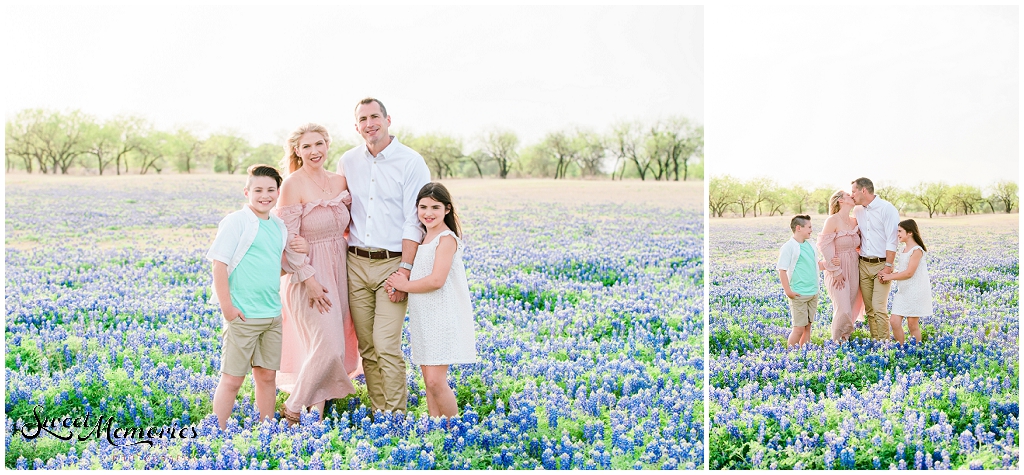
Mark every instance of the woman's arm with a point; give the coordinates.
(442, 264)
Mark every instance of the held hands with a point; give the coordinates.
(231, 313)
(396, 285)
(835, 261)
(317, 295)
(885, 275)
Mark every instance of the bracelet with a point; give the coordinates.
(405, 265)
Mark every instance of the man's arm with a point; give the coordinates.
(412, 233)
(892, 222)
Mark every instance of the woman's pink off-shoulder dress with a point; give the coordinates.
(318, 350)
(846, 298)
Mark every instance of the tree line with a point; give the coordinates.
(48, 141)
(758, 196)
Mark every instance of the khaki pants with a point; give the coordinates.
(876, 299)
(378, 323)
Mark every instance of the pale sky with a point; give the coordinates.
(261, 71)
(901, 95)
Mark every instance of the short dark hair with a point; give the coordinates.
(864, 184)
(799, 220)
(263, 170)
(383, 110)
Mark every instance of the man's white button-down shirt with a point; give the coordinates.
(384, 190)
(877, 221)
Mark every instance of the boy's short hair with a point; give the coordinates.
(864, 184)
(799, 220)
(263, 170)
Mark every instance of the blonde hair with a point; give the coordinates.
(833, 202)
(291, 160)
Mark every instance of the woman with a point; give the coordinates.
(838, 243)
(319, 346)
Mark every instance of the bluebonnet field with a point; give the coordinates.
(589, 331)
(950, 402)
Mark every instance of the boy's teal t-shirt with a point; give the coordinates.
(255, 283)
(805, 275)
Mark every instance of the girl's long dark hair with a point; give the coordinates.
(910, 226)
(439, 193)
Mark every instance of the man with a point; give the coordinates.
(384, 178)
(877, 220)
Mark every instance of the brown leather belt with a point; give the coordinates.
(382, 254)
(873, 260)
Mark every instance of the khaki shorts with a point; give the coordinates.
(254, 342)
(803, 309)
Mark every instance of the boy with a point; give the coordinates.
(246, 255)
(798, 270)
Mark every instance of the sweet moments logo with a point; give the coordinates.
(91, 426)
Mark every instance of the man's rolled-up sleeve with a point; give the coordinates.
(892, 222)
(418, 175)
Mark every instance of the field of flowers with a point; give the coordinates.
(589, 332)
(950, 402)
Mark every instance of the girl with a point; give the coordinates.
(914, 292)
(441, 326)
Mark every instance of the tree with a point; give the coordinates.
(500, 146)
(20, 138)
(227, 150)
(478, 158)
(60, 139)
(534, 161)
(746, 197)
(898, 197)
(797, 197)
(964, 197)
(130, 131)
(819, 199)
(672, 143)
(186, 149)
(627, 144)
(722, 194)
(763, 190)
(931, 195)
(695, 146)
(1006, 192)
(775, 201)
(440, 151)
(266, 154)
(150, 152)
(102, 141)
(561, 147)
(590, 152)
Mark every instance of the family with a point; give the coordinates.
(316, 289)
(858, 251)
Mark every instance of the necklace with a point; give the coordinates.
(327, 190)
